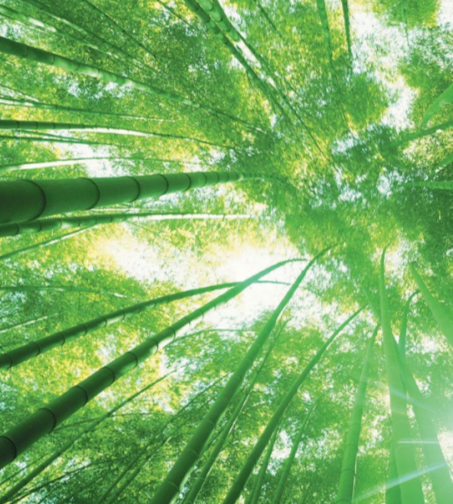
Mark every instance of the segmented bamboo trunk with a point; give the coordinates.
(409, 480)
(240, 481)
(443, 318)
(25, 200)
(351, 446)
(278, 496)
(183, 466)
(20, 438)
(7, 497)
(32, 349)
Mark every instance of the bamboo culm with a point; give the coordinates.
(25, 200)
(45, 243)
(409, 484)
(21, 437)
(403, 326)
(14, 125)
(32, 349)
(54, 224)
(439, 472)
(205, 470)
(183, 466)
(60, 451)
(278, 496)
(348, 466)
(442, 317)
(240, 481)
(47, 58)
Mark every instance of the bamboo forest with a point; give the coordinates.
(226, 251)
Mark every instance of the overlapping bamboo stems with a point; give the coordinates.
(278, 497)
(69, 162)
(438, 469)
(59, 288)
(162, 436)
(54, 224)
(403, 326)
(247, 468)
(392, 489)
(440, 314)
(206, 468)
(15, 102)
(408, 475)
(14, 125)
(195, 7)
(6, 497)
(20, 438)
(184, 465)
(48, 58)
(116, 26)
(32, 349)
(257, 486)
(91, 39)
(25, 200)
(102, 46)
(348, 466)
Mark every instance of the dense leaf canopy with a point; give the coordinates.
(330, 123)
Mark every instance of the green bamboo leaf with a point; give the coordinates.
(441, 101)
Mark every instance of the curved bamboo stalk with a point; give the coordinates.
(47, 58)
(69, 162)
(20, 438)
(190, 454)
(348, 466)
(409, 479)
(111, 21)
(59, 288)
(15, 102)
(66, 446)
(54, 224)
(25, 200)
(94, 40)
(32, 349)
(14, 125)
(440, 314)
(247, 468)
(278, 496)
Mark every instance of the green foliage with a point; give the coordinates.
(339, 120)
